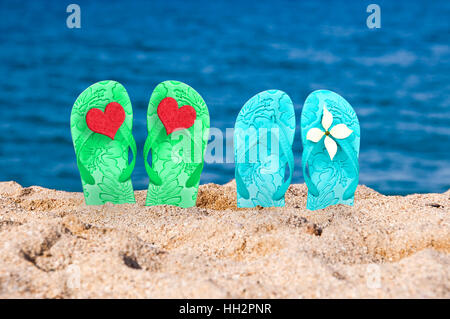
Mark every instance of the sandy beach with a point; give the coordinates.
(53, 246)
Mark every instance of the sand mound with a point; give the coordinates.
(54, 246)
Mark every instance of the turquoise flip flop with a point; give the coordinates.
(263, 137)
(330, 137)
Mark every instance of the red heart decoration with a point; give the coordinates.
(174, 118)
(108, 122)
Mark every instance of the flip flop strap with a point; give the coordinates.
(84, 172)
(350, 190)
(309, 183)
(287, 151)
(348, 150)
(240, 185)
(131, 143)
(125, 175)
(153, 175)
(194, 179)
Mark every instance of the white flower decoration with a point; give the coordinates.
(339, 131)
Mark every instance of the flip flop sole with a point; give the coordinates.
(103, 157)
(177, 155)
(331, 177)
(261, 178)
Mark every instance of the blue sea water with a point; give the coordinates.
(397, 77)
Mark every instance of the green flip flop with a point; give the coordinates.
(178, 131)
(101, 124)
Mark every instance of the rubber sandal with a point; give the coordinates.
(263, 137)
(178, 132)
(330, 137)
(101, 123)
